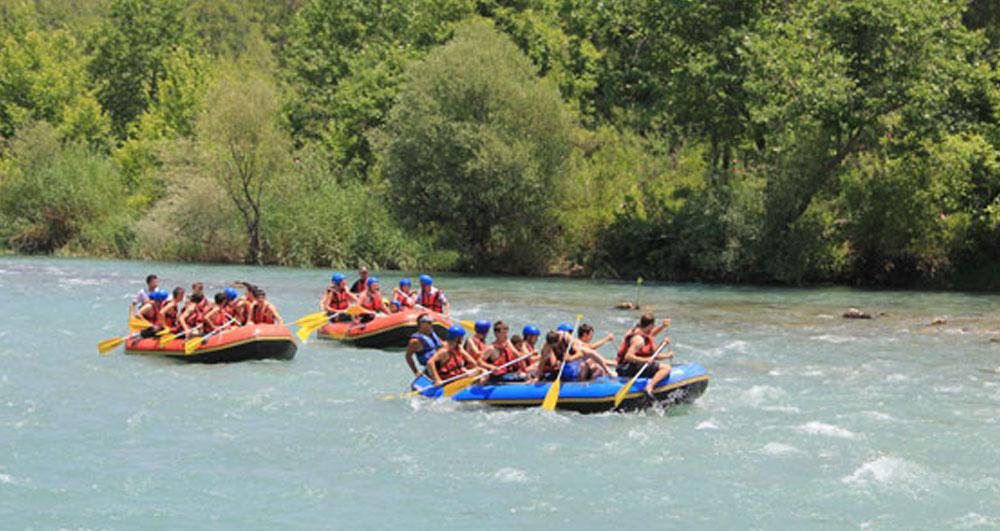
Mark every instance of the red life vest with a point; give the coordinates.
(155, 308)
(373, 303)
(338, 300)
(507, 355)
(170, 320)
(480, 347)
(240, 311)
(452, 366)
(404, 301)
(219, 318)
(646, 350)
(553, 362)
(432, 299)
(260, 314)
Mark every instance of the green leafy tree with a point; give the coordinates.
(131, 51)
(476, 152)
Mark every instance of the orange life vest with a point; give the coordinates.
(432, 299)
(451, 366)
(260, 314)
(338, 300)
(507, 355)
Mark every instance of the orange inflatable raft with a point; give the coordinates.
(250, 342)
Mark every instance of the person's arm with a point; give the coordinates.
(669, 354)
(274, 312)
(163, 311)
(188, 312)
(663, 326)
(412, 348)
(600, 343)
(634, 347)
(325, 303)
(432, 365)
(536, 375)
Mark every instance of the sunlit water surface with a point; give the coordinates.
(810, 420)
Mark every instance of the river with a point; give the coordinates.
(810, 420)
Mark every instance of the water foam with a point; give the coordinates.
(831, 338)
(827, 430)
(888, 471)
(511, 475)
(777, 449)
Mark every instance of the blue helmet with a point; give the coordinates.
(372, 280)
(564, 327)
(337, 278)
(456, 332)
(483, 326)
(158, 295)
(405, 282)
(531, 330)
(426, 280)
(230, 293)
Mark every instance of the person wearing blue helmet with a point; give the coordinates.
(338, 298)
(451, 360)
(404, 295)
(530, 335)
(477, 344)
(430, 297)
(371, 300)
(510, 364)
(577, 361)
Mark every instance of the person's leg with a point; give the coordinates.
(662, 372)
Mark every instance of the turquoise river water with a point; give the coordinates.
(810, 420)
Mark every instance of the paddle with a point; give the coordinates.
(422, 389)
(620, 395)
(135, 326)
(455, 387)
(552, 396)
(309, 327)
(638, 284)
(192, 345)
(311, 317)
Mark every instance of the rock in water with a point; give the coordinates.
(854, 313)
(626, 305)
(939, 321)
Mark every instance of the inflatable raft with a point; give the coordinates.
(686, 383)
(251, 342)
(385, 331)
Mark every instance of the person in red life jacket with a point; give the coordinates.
(503, 351)
(217, 314)
(423, 344)
(193, 314)
(142, 297)
(585, 334)
(430, 297)
(170, 313)
(476, 345)
(451, 360)
(361, 284)
(530, 334)
(404, 296)
(151, 312)
(242, 305)
(637, 350)
(559, 346)
(198, 288)
(338, 298)
(371, 300)
(262, 311)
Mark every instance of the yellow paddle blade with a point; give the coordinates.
(320, 320)
(192, 345)
(309, 318)
(355, 310)
(468, 325)
(456, 386)
(110, 344)
(136, 324)
(167, 338)
(307, 330)
(552, 396)
(620, 395)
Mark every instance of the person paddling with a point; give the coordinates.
(530, 334)
(559, 347)
(193, 314)
(404, 296)
(361, 284)
(243, 304)
(142, 297)
(151, 312)
(637, 351)
(503, 351)
(476, 346)
(170, 313)
(423, 344)
(372, 298)
(262, 311)
(217, 314)
(430, 297)
(451, 360)
(338, 298)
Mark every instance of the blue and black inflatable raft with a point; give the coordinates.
(686, 383)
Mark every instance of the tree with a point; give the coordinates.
(476, 152)
(131, 50)
(245, 149)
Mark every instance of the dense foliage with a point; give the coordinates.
(729, 140)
